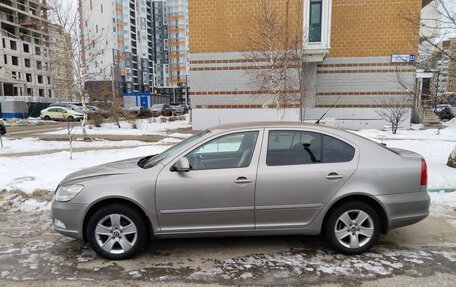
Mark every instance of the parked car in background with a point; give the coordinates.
(161, 110)
(71, 106)
(97, 111)
(446, 113)
(60, 113)
(140, 112)
(181, 109)
(441, 107)
(264, 178)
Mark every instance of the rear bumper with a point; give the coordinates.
(406, 208)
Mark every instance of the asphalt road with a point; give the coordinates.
(32, 254)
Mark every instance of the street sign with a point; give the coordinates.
(403, 58)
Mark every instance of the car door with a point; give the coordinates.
(61, 113)
(217, 194)
(54, 114)
(298, 173)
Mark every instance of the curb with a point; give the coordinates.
(444, 190)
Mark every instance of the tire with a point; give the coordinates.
(47, 118)
(110, 240)
(353, 235)
(70, 119)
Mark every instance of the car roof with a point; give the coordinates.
(269, 124)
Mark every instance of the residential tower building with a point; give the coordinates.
(24, 54)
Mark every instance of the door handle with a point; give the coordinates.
(242, 179)
(334, 175)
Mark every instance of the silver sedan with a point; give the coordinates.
(266, 178)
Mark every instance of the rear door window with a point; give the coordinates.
(303, 147)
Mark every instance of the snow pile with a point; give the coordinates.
(144, 127)
(451, 123)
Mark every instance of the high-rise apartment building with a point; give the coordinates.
(178, 48)
(61, 63)
(135, 51)
(24, 49)
(446, 66)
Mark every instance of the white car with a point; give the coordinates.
(60, 113)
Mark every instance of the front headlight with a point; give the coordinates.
(68, 192)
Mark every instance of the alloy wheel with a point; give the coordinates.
(116, 234)
(354, 229)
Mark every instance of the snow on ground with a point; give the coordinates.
(30, 173)
(145, 127)
(13, 146)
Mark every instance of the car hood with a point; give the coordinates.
(127, 166)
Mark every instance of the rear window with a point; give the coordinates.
(301, 147)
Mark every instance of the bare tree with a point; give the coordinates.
(394, 110)
(84, 45)
(71, 131)
(273, 47)
(115, 111)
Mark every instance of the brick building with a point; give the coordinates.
(348, 46)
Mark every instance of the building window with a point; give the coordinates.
(315, 21)
(13, 45)
(37, 51)
(28, 77)
(39, 65)
(27, 63)
(26, 48)
(4, 43)
(6, 59)
(40, 79)
(15, 61)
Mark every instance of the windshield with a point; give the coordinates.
(158, 158)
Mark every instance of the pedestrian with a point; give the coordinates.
(2, 132)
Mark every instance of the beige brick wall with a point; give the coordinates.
(223, 25)
(360, 28)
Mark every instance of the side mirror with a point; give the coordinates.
(182, 165)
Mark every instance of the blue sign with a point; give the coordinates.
(403, 58)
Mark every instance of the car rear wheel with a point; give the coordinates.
(70, 119)
(117, 232)
(47, 118)
(353, 228)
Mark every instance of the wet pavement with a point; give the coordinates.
(30, 251)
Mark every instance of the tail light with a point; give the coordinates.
(423, 172)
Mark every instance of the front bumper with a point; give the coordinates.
(72, 217)
(406, 208)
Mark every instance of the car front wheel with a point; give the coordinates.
(353, 228)
(117, 232)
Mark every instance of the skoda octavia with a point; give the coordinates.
(266, 178)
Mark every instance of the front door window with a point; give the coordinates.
(229, 151)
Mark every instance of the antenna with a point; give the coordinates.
(335, 102)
